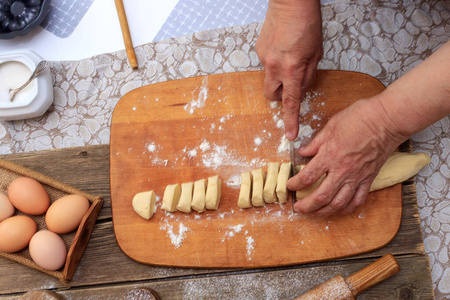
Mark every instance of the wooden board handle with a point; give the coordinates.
(376, 272)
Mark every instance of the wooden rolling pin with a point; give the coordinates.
(340, 288)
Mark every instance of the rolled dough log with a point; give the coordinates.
(184, 204)
(258, 187)
(283, 176)
(246, 190)
(144, 204)
(271, 183)
(398, 167)
(213, 192)
(171, 197)
(199, 197)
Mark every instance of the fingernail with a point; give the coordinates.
(289, 135)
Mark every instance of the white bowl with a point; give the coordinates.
(39, 97)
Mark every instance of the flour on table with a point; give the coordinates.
(192, 153)
(257, 141)
(160, 162)
(220, 156)
(205, 146)
(284, 145)
(151, 147)
(176, 239)
(237, 228)
(250, 247)
(274, 104)
(234, 181)
(280, 124)
(201, 99)
(232, 231)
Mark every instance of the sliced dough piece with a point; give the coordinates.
(213, 192)
(144, 204)
(184, 204)
(171, 197)
(246, 190)
(283, 176)
(258, 187)
(199, 197)
(398, 167)
(271, 183)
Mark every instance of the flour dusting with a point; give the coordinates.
(220, 156)
(151, 147)
(176, 239)
(200, 101)
(284, 145)
(250, 247)
(234, 181)
(205, 146)
(273, 104)
(280, 124)
(192, 153)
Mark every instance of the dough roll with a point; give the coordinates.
(258, 187)
(213, 193)
(269, 194)
(199, 196)
(144, 204)
(246, 191)
(171, 197)
(283, 176)
(184, 204)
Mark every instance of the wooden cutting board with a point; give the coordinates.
(185, 130)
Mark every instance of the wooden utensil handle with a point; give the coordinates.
(378, 271)
(126, 33)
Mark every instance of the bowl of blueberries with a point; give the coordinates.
(18, 17)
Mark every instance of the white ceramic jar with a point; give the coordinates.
(36, 98)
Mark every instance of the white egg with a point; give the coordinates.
(48, 250)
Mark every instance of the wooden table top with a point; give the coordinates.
(106, 272)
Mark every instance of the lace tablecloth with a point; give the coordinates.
(382, 38)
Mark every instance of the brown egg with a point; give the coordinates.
(65, 214)
(48, 250)
(6, 208)
(28, 196)
(16, 233)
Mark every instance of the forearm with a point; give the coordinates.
(420, 97)
(294, 7)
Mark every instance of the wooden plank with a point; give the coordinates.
(165, 121)
(409, 283)
(103, 257)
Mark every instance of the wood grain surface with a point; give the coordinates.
(157, 134)
(105, 272)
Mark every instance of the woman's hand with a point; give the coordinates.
(350, 149)
(290, 47)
